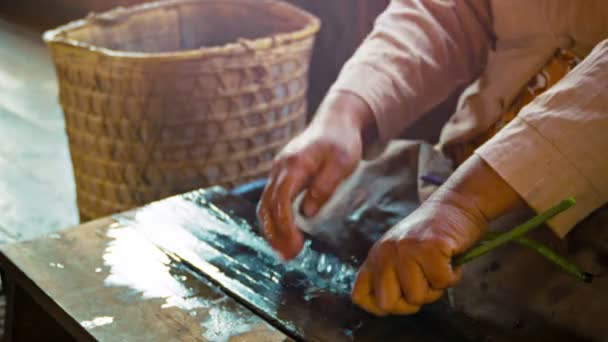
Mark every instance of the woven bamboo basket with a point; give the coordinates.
(171, 96)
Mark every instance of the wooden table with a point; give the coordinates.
(192, 267)
(60, 288)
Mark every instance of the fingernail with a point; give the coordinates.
(287, 255)
(310, 208)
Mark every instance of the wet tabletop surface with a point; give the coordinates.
(120, 287)
(193, 267)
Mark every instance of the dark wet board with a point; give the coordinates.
(213, 232)
(158, 275)
(103, 281)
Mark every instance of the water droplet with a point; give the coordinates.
(97, 322)
(98, 270)
(321, 264)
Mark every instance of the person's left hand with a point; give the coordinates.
(411, 264)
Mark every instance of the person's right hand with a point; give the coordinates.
(316, 161)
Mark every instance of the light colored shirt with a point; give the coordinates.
(420, 51)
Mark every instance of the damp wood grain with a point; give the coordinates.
(66, 276)
(193, 266)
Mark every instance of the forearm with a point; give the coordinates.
(350, 108)
(556, 147)
(418, 53)
(477, 189)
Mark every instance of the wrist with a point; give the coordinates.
(350, 109)
(446, 199)
(482, 188)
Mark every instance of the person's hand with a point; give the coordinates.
(411, 264)
(317, 161)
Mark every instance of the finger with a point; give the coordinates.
(267, 220)
(432, 295)
(267, 224)
(263, 209)
(457, 272)
(362, 293)
(413, 282)
(387, 289)
(323, 186)
(277, 242)
(438, 270)
(290, 183)
(401, 307)
(368, 304)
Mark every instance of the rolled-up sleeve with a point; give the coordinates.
(418, 53)
(558, 145)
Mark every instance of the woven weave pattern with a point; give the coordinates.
(141, 129)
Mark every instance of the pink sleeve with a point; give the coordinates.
(558, 145)
(418, 53)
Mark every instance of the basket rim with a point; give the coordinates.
(57, 36)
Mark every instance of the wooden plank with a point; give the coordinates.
(122, 286)
(214, 233)
(27, 321)
(105, 281)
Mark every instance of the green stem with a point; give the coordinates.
(558, 260)
(514, 233)
(561, 262)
